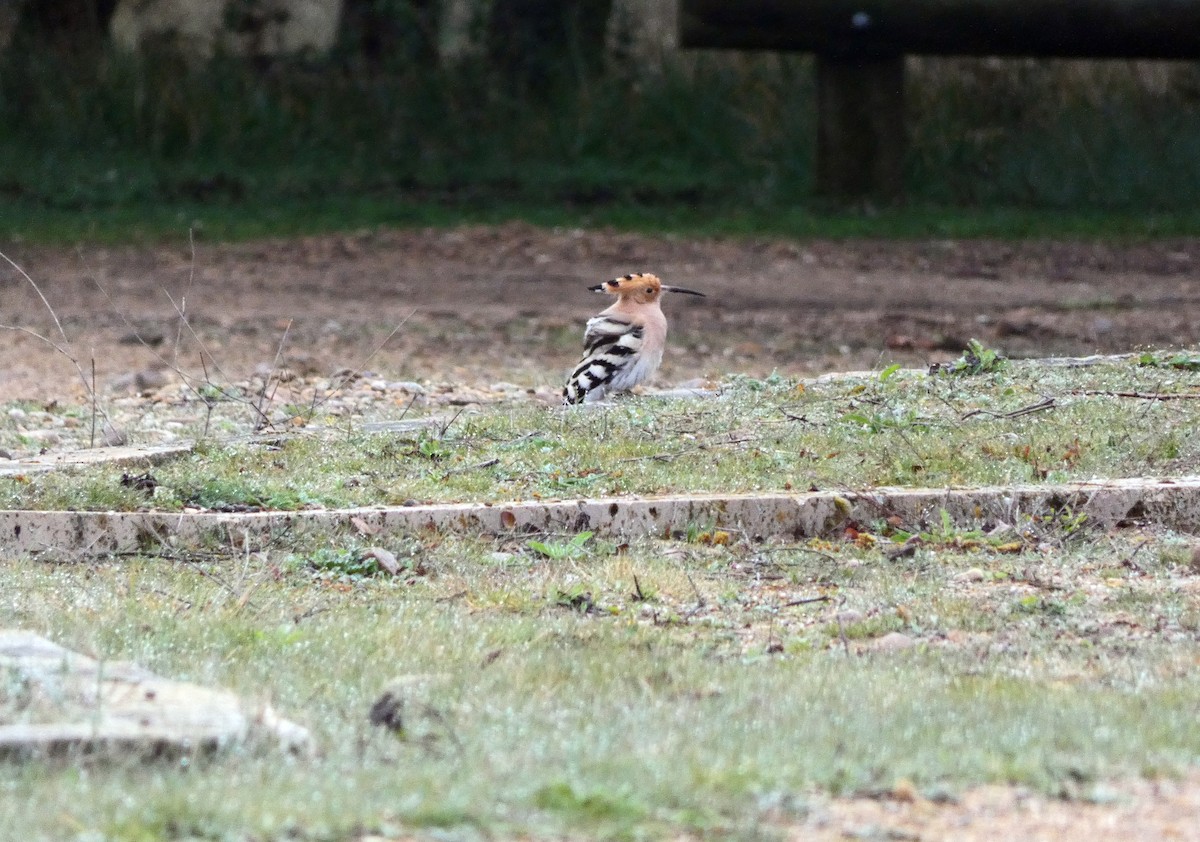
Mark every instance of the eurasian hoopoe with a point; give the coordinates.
(624, 344)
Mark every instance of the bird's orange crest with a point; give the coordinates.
(641, 287)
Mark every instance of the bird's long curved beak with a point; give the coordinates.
(683, 290)
(596, 288)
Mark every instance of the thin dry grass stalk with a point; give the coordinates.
(89, 386)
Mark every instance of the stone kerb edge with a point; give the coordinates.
(1173, 503)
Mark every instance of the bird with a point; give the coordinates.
(623, 345)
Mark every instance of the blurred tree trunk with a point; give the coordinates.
(539, 45)
(10, 12)
(391, 33)
(78, 26)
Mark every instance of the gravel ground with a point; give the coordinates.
(177, 412)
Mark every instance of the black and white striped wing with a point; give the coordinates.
(610, 348)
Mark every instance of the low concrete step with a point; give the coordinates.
(1169, 502)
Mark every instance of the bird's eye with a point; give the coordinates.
(613, 283)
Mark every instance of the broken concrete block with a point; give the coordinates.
(59, 702)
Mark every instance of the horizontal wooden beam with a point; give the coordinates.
(1157, 29)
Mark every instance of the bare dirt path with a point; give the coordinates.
(479, 307)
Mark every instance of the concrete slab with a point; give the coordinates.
(157, 454)
(61, 703)
(93, 456)
(1174, 503)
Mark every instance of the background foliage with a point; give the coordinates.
(549, 108)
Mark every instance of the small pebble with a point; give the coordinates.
(894, 642)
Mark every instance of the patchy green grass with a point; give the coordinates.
(555, 685)
(1011, 422)
(706, 687)
(224, 222)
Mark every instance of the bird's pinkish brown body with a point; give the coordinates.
(624, 344)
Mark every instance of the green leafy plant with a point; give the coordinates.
(877, 422)
(429, 447)
(1037, 604)
(1184, 360)
(976, 359)
(577, 597)
(561, 549)
(346, 562)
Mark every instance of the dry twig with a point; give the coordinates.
(1147, 396)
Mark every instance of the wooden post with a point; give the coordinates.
(861, 139)
(860, 45)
